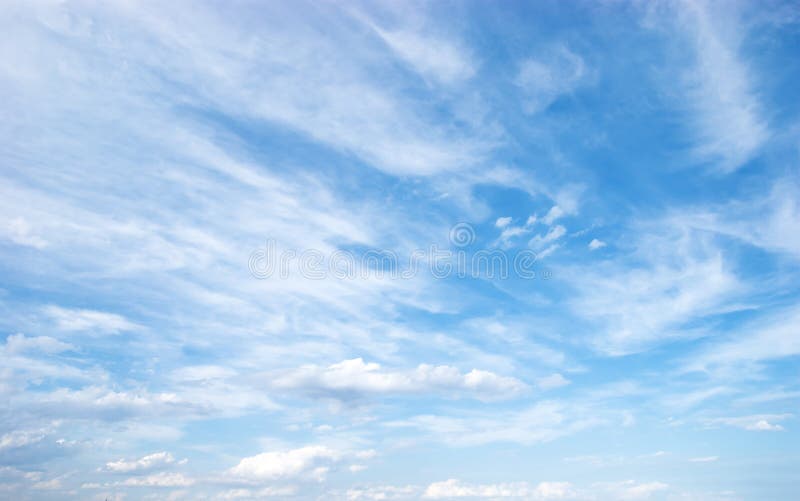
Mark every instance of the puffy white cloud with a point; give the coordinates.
(310, 462)
(355, 377)
(596, 244)
(764, 425)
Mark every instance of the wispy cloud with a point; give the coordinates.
(720, 90)
(542, 79)
(150, 151)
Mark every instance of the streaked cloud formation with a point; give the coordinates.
(646, 153)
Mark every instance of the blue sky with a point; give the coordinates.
(645, 152)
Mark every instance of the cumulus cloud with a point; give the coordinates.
(596, 244)
(310, 462)
(355, 377)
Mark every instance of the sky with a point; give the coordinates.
(400, 250)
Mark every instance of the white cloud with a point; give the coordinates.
(382, 492)
(19, 231)
(75, 320)
(543, 80)
(720, 89)
(774, 337)
(153, 461)
(596, 244)
(21, 438)
(502, 222)
(454, 488)
(758, 422)
(553, 214)
(312, 462)
(163, 479)
(543, 422)
(547, 251)
(47, 485)
(509, 232)
(198, 373)
(764, 425)
(97, 402)
(160, 479)
(704, 459)
(672, 278)
(266, 492)
(19, 343)
(540, 242)
(554, 233)
(355, 377)
(432, 57)
(552, 381)
(769, 221)
(630, 489)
